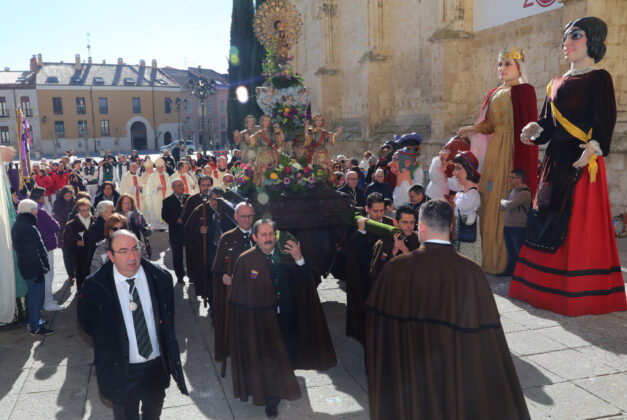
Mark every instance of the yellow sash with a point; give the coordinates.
(576, 132)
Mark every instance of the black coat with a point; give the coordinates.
(360, 200)
(171, 211)
(96, 234)
(176, 154)
(32, 258)
(101, 197)
(100, 316)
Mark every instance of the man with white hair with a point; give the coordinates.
(32, 261)
(219, 173)
(131, 184)
(231, 245)
(157, 189)
(379, 185)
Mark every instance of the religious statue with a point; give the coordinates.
(266, 144)
(278, 24)
(317, 137)
(243, 138)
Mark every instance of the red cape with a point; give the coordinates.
(525, 111)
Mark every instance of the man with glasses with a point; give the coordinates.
(232, 244)
(516, 206)
(127, 307)
(350, 188)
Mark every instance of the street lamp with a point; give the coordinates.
(177, 104)
(201, 89)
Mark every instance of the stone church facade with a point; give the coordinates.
(384, 67)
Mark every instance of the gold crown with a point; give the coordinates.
(514, 54)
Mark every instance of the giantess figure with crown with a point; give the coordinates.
(569, 263)
(506, 110)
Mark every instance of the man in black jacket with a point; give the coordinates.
(350, 188)
(32, 261)
(127, 307)
(172, 213)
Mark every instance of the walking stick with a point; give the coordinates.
(204, 243)
(226, 312)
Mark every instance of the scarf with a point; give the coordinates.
(84, 220)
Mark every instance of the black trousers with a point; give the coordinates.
(69, 262)
(146, 383)
(177, 260)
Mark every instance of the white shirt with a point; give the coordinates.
(124, 296)
(437, 241)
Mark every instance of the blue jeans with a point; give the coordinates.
(514, 239)
(34, 302)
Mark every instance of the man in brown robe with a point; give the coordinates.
(204, 184)
(387, 248)
(360, 251)
(273, 323)
(202, 232)
(435, 346)
(230, 247)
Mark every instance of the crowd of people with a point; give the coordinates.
(414, 262)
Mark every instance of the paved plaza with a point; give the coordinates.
(569, 368)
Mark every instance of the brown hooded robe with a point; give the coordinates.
(261, 365)
(434, 342)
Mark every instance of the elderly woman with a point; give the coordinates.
(135, 218)
(467, 202)
(104, 210)
(569, 263)
(76, 238)
(32, 262)
(114, 223)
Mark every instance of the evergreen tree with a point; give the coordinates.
(242, 67)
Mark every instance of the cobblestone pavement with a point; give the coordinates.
(570, 368)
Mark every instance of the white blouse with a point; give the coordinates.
(467, 204)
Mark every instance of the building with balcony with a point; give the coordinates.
(91, 107)
(17, 89)
(193, 126)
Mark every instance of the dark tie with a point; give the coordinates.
(246, 241)
(144, 347)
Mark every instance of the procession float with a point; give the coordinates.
(286, 170)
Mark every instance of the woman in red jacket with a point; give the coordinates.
(46, 182)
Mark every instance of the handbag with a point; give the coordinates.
(465, 232)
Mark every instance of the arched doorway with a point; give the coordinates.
(139, 138)
(167, 138)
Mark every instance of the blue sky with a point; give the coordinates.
(177, 33)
